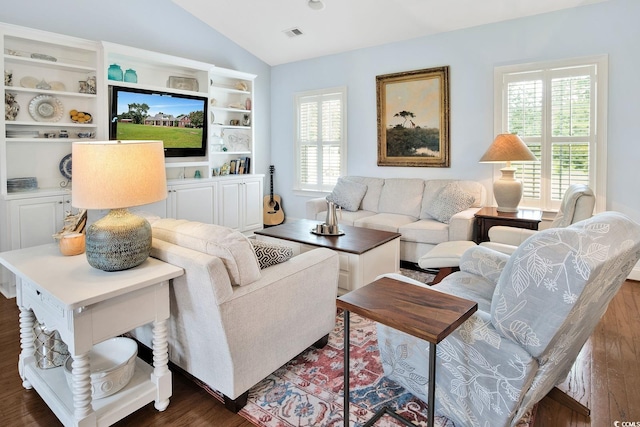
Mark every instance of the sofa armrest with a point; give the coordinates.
(461, 225)
(315, 206)
(484, 262)
(509, 235)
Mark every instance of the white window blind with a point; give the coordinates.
(554, 108)
(320, 139)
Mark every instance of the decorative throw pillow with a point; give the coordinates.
(450, 200)
(269, 254)
(347, 194)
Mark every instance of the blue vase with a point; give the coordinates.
(130, 76)
(115, 72)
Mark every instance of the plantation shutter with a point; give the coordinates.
(320, 139)
(553, 111)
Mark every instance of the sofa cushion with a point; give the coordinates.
(401, 196)
(425, 231)
(384, 221)
(232, 247)
(450, 200)
(269, 254)
(347, 194)
(371, 198)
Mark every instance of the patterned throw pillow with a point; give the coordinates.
(451, 200)
(347, 194)
(269, 254)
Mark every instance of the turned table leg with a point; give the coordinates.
(161, 375)
(81, 386)
(27, 320)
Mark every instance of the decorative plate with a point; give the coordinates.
(46, 108)
(59, 86)
(65, 166)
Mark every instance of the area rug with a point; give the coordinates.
(307, 391)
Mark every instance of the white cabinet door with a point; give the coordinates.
(194, 202)
(34, 221)
(253, 197)
(229, 204)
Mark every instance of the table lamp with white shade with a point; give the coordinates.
(117, 175)
(508, 148)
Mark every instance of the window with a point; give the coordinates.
(559, 111)
(320, 138)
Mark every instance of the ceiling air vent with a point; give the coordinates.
(293, 32)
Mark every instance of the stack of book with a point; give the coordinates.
(240, 166)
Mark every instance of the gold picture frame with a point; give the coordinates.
(413, 118)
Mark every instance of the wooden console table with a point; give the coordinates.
(415, 310)
(489, 217)
(88, 306)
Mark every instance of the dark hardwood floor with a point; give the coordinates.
(606, 378)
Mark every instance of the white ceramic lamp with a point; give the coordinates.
(508, 148)
(117, 175)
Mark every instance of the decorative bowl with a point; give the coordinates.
(112, 366)
(80, 117)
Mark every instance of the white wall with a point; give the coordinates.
(605, 28)
(156, 25)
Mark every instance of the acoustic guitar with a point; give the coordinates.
(273, 213)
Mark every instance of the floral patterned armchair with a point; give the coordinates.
(536, 309)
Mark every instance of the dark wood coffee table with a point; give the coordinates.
(419, 311)
(364, 253)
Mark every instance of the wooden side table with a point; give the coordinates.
(415, 310)
(489, 216)
(87, 306)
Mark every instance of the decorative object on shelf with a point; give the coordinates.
(8, 78)
(22, 184)
(130, 76)
(215, 171)
(234, 122)
(63, 134)
(65, 166)
(240, 85)
(50, 135)
(236, 140)
(58, 86)
(115, 73)
(50, 350)
(117, 175)
(213, 102)
(28, 82)
(21, 133)
(82, 86)
(246, 120)
(46, 108)
(224, 170)
(43, 57)
(183, 83)
(11, 106)
(43, 85)
(197, 174)
(91, 85)
(86, 134)
(247, 104)
(80, 116)
(508, 148)
(113, 364)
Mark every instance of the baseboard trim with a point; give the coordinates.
(635, 273)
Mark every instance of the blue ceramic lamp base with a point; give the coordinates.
(118, 241)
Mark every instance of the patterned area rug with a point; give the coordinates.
(307, 391)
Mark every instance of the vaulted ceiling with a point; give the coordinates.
(264, 27)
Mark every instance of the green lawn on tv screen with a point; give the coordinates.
(173, 137)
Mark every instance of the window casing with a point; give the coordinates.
(559, 111)
(320, 138)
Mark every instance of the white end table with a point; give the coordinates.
(88, 306)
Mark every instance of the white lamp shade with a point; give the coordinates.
(117, 174)
(508, 148)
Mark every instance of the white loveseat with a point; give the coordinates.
(425, 212)
(232, 323)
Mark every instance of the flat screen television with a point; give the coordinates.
(178, 120)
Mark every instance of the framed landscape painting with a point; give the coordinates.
(413, 118)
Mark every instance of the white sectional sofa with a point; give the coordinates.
(425, 212)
